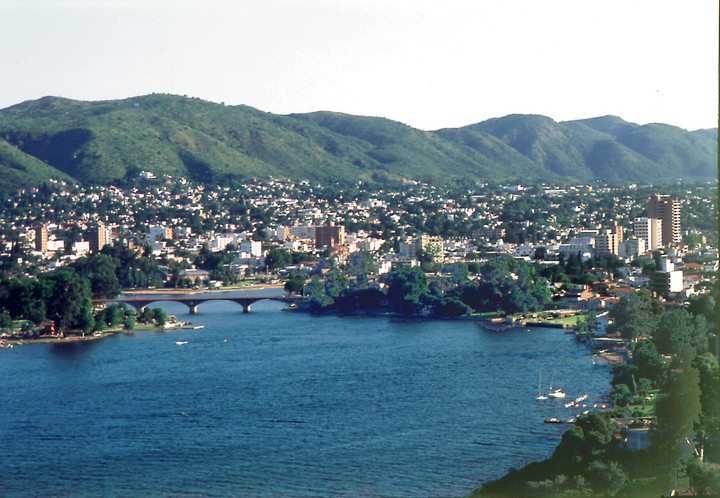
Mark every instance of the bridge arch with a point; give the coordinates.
(192, 302)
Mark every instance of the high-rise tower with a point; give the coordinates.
(667, 209)
(41, 237)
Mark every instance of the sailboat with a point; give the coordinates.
(555, 392)
(540, 395)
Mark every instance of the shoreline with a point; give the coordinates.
(8, 343)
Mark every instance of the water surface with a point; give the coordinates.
(283, 404)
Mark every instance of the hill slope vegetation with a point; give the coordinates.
(103, 142)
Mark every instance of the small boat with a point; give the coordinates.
(553, 420)
(179, 343)
(540, 395)
(555, 392)
(198, 327)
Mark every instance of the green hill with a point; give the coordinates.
(101, 142)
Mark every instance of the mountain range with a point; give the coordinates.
(108, 141)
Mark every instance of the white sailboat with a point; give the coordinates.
(540, 395)
(555, 392)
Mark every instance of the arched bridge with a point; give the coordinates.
(193, 301)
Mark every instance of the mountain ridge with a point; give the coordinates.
(106, 141)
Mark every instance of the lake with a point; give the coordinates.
(271, 403)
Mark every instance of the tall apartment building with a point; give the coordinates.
(667, 209)
(411, 248)
(329, 235)
(97, 237)
(41, 237)
(649, 230)
(607, 241)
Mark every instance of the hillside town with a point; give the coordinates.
(51, 226)
(631, 270)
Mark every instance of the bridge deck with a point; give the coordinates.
(192, 301)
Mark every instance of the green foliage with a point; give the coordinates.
(146, 315)
(708, 428)
(111, 316)
(159, 317)
(704, 477)
(405, 288)
(101, 269)
(679, 327)
(676, 413)
(295, 283)
(635, 315)
(68, 300)
(646, 363)
(102, 142)
(5, 320)
(277, 258)
(509, 286)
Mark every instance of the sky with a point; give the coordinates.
(430, 64)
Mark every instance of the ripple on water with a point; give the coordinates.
(272, 404)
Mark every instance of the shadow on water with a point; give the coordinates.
(71, 350)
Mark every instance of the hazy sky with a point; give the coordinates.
(430, 64)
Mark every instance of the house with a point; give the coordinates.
(603, 320)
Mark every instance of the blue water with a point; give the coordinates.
(283, 404)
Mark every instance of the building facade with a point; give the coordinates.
(329, 235)
(649, 230)
(667, 209)
(97, 237)
(607, 241)
(41, 237)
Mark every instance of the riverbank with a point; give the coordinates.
(9, 342)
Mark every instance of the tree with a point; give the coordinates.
(101, 269)
(704, 477)
(676, 413)
(5, 320)
(650, 364)
(451, 307)
(277, 258)
(708, 427)
(146, 315)
(644, 386)
(459, 273)
(295, 283)
(607, 478)
(69, 300)
(429, 253)
(679, 326)
(405, 287)
(635, 315)
(159, 317)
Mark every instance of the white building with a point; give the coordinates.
(220, 242)
(81, 247)
(253, 247)
(650, 230)
(159, 232)
(631, 248)
(56, 245)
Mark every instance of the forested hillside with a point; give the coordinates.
(103, 142)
